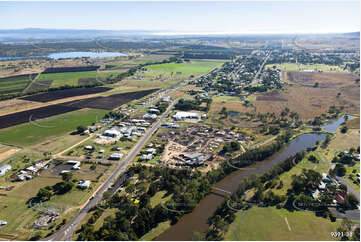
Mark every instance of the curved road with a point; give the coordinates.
(66, 232)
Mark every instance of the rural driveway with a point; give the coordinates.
(66, 232)
(350, 214)
(350, 188)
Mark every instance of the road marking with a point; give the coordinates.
(289, 228)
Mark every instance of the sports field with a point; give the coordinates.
(279, 224)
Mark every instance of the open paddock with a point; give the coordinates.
(324, 80)
(338, 89)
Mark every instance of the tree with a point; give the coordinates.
(44, 194)
(343, 187)
(327, 141)
(67, 176)
(80, 129)
(344, 129)
(340, 169)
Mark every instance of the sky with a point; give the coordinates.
(186, 17)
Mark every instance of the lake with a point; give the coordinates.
(80, 54)
(70, 54)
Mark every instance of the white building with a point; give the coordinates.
(4, 169)
(149, 116)
(116, 156)
(84, 184)
(111, 133)
(184, 115)
(76, 164)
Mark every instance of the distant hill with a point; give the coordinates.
(39, 34)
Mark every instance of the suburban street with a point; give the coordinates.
(66, 232)
(254, 81)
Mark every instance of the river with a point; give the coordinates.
(197, 220)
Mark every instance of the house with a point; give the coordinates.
(146, 157)
(2, 222)
(76, 164)
(166, 99)
(4, 169)
(154, 110)
(115, 156)
(356, 156)
(92, 129)
(111, 133)
(31, 169)
(171, 125)
(149, 116)
(84, 184)
(151, 151)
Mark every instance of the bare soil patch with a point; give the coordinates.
(110, 102)
(7, 153)
(33, 114)
(60, 94)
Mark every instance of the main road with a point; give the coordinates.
(254, 81)
(66, 232)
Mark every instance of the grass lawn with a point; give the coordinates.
(343, 142)
(26, 134)
(15, 211)
(270, 224)
(159, 198)
(349, 171)
(156, 231)
(99, 223)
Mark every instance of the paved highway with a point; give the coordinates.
(66, 232)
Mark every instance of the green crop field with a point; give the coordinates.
(194, 66)
(13, 84)
(270, 224)
(27, 134)
(71, 78)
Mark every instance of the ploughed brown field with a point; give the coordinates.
(60, 94)
(302, 97)
(109, 102)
